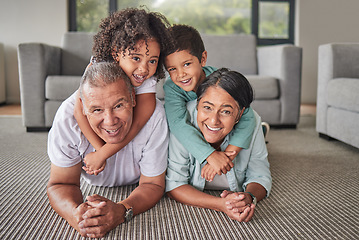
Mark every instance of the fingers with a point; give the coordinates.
(251, 213)
(94, 227)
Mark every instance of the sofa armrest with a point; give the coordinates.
(284, 62)
(36, 62)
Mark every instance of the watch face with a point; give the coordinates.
(129, 215)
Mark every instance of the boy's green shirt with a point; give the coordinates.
(179, 121)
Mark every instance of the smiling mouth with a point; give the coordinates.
(186, 81)
(112, 132)
(139, 78)
(212, 128)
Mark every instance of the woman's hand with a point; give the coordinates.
(238, 206)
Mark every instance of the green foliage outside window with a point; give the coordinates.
(207, 16)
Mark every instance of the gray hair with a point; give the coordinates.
(102, 74)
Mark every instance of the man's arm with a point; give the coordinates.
(63, 190)
(100, 220)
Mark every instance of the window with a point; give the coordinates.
(271, 21)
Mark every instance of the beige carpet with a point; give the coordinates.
(315, 194)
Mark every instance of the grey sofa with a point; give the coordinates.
(48, 75)
(338, 92)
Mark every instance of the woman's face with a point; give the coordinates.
(217, 114)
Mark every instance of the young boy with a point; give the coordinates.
(186, 67)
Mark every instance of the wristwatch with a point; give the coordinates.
(254, 199)
(128, 213)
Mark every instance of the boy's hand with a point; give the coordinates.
(220, 161)
(208, 172)
(94, 164)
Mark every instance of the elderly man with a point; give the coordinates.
(108, 100)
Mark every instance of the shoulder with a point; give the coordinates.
(148, 86)
(208, 70)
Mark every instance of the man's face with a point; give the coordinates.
(109, 110)
(140, 64)
(185, 69)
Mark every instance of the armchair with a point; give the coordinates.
(338, 88)
(48, 75)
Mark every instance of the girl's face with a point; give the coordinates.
(217, 114)
(141, 63)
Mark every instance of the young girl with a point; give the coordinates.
(135, 39)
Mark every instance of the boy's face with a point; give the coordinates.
(185, 69)
(141, 63)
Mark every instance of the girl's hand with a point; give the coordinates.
(94, 164)
(208, 172)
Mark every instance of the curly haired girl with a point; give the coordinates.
(136, 39)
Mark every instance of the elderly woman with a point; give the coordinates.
(222, 98)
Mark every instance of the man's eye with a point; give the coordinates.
(207, 108)
(136, 59)
(119, 106)
(98, 110)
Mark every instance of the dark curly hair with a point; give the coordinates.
(123, 29)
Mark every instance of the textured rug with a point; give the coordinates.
(315, 194)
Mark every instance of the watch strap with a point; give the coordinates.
(254, 199)
(125, 205)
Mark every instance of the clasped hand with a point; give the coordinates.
(238, 206)
(98, 216)
(218, 163)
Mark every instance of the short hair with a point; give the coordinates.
(102, 74)
(186, 37)
(232, 82)
(123, 29)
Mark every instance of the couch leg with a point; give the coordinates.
(326, 137)
(37, 129)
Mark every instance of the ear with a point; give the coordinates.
(204, 58)
(240, 114)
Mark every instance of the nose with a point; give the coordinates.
(181, 73)
(143, 67)
(214, 118)
(109, 118)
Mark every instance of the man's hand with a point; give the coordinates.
(102, 216)
(94, 163)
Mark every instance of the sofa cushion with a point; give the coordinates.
(343, 93)
(264, 87)
(236, 52)
(61, 87)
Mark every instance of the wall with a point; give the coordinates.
(319, 22)
(28, 21)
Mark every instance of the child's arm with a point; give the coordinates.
(240, 138)
(191, 138)
(84, 125)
